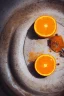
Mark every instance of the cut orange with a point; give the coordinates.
(45, 26)
(45, 65)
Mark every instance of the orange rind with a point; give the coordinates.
(45, 26)
(45, 65)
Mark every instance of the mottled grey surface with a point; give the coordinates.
(5, 11)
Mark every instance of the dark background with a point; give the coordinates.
(5, 7)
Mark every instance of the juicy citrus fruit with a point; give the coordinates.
(45, 65)
(45, 26)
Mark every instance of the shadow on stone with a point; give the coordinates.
(49, 42)
(31, 33)
(32, 70)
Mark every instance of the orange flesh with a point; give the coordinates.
(45, 26)
(45, 65)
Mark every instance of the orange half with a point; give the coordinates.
(45, 65)
(45, 26)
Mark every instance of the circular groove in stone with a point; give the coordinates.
(29, 15)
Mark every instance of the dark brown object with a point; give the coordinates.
(62, 53)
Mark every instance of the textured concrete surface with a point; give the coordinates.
(3, 18)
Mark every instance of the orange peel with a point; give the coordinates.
(45, 26)
(45, 65)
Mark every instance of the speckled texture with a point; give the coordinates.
(13, 68)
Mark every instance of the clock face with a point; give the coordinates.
(20, 47)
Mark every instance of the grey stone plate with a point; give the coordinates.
(18, 39)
